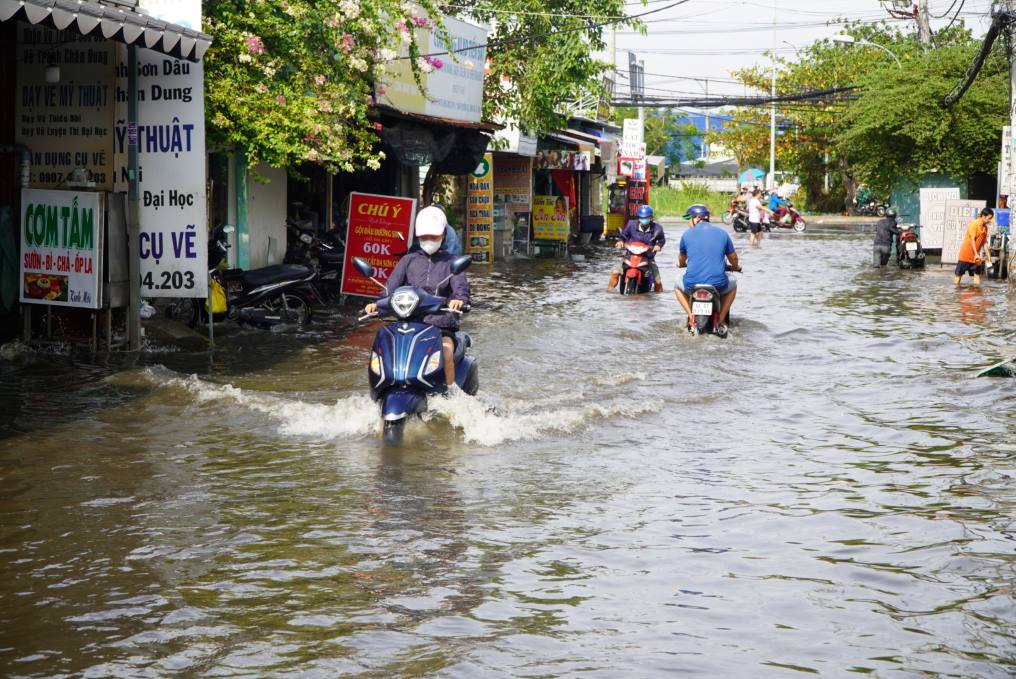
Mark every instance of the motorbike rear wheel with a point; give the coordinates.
(880, 211)
(394, 431)
(293, 301)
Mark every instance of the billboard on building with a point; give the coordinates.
(451, 69)
(480, 211)
(63, 111)
(378, 231)
(61, 247)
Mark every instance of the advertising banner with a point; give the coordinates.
(958, 215)
(933, 215)
(170, 137)
(374, 226)
(513, 183)
(550, 218)
(61, 247)
(64, 106)
(480, 211)
(452, 83)
(1007, 168)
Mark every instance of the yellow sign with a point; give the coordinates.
(480, 212)
(550, 218)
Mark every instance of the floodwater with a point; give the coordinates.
(829, 491)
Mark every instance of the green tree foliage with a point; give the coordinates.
(292, 80)
(887, 94)
(898, 129)
(531, 77)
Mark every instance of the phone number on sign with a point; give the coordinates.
(168, 280)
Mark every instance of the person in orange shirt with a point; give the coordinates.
(970, 249)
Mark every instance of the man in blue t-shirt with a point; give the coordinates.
(705, 250)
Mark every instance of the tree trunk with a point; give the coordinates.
(923, 24)
(849, 182)
(429, 182)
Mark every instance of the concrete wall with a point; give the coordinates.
(266, 217)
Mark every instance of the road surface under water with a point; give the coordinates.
(830, 491)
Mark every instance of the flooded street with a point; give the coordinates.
(829, 490)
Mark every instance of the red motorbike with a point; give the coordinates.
(636, 269)
(791, 219)
(909, 253)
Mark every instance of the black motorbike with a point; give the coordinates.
(871, 207)
(324, 254)
(740, 221)
(271, 295)
(705, 303)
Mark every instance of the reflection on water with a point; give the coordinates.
(828, 491)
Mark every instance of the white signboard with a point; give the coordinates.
(632, 134)
(933, 215)
(64, 105)
(1007, 168)
(958, 215)
(452, 83)
(170, 135)
(61, 247)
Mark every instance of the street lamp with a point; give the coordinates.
(851, 40)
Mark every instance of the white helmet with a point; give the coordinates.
(431, 221)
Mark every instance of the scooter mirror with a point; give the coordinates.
(461, 264)
(363, 267)
(228, 228)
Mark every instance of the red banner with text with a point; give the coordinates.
(378, 230)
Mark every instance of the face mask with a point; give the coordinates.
(644, 222)
(430, 246)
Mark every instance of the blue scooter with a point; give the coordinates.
(406, 363)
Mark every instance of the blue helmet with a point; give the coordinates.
(644, 212)
(697, 210)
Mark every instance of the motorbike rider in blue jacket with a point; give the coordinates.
(429, 268)
(641, 230)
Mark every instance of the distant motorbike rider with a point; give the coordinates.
(705, 250)
(641, 230)
(777, 205)
(886, 233)
(426, 268)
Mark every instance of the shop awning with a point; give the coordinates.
(563, 138)
(583, 136)
(115, 23)
(434, 120)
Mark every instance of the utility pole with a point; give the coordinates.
(1010, 34)
(923, 23)
(772, 110)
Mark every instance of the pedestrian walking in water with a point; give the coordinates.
(886, 232)
(756, 213)
(969, 258)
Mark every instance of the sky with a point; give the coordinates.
(704, 40)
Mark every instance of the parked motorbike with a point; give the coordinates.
(264, 297)
(909, 253)
(705, 306)
(636, 269)
(791, 219)
(406, 364)
(321, 253)
(869, 208)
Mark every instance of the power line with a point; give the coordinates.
(550, 34)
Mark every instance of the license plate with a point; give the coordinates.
(702, 308)
(911, 247)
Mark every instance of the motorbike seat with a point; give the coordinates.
(275, 274)
(462, 342)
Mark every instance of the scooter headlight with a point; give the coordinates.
(375, 363)
(433, 363)
(404, 303)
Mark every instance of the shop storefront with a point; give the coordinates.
(92, 95)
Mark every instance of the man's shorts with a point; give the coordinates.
(881, 255)
(731, 285)
(755, 227)
(968, 268)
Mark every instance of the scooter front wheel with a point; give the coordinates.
(728, 217)
(394, 431)
(800, 226)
